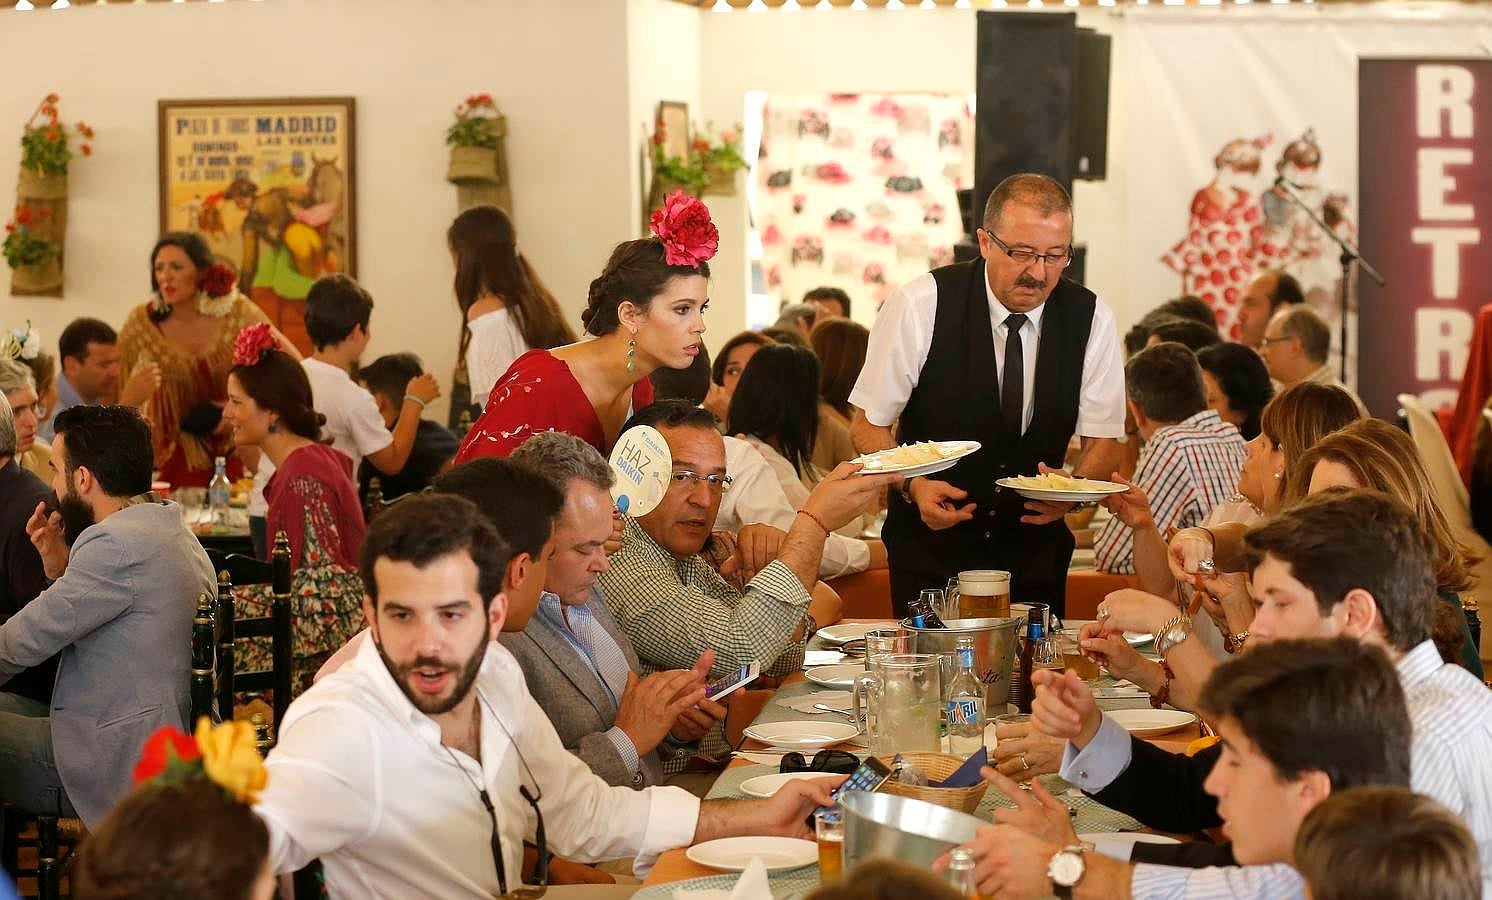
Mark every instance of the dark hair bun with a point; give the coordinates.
(636, 272)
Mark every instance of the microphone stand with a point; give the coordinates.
(1348, 257)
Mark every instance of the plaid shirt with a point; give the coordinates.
(1185, 469)
(673, 610)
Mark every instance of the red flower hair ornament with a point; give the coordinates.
(254, 343)
(216, 280)
(684, 228)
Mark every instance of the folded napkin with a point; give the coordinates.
(752, 885)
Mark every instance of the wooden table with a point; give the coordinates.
(674, 866)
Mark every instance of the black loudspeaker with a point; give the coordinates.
(1023, 113)
(1090, 124)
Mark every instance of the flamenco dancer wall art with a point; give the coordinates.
(270, 185)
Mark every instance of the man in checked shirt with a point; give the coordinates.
(674, 606)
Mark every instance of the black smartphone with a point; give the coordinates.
(871, 774)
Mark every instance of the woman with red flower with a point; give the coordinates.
(187, 331)
(311, 497)
(646, 311)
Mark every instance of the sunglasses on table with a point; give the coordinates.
(830, 762)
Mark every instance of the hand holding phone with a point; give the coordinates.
(734, 681)
(871, 774)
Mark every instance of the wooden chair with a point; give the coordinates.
(214, 674)
(52, 859)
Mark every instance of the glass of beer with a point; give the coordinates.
(1073, 657)
(828, 828)
(983, 594)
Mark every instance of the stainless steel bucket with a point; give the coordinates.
(880, 826)
(994, 653)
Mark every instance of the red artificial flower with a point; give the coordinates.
(23, 215)
(683, 226)
(217, 280)
(53, 98)
(10, 226)
(84, 130)
(166, 746)
(701, 145)
(254, 343)
(484, 99)
(87, 150)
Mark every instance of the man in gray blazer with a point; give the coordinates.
(126, 574)
(579, 665)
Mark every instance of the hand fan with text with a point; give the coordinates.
(643, 467)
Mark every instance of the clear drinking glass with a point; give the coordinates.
(881, 641)
(828, 828)
(1073, 657)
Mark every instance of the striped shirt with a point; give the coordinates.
(675, 609)
(1450, 760)
(601, 654)
(1451, 753)
(1185, 470)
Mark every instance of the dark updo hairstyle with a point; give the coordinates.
(636, 272)
(777, 401)
(488, 262)
(196, 250)
(279, 385)
(1243, 378)
(187, 841)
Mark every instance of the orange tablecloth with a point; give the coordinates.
(675, 866)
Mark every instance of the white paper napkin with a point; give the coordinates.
(752, 885)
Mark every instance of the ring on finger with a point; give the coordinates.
(1024, 764)
(1103, 611)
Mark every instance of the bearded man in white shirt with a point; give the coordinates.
(421, 767)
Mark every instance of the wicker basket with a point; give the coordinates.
(936, 766)
(33, 184)
(472, 164)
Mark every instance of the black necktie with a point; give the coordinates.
(1013, 391)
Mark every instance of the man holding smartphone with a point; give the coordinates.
(578, 663)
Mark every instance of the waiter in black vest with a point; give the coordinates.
(1003, 351)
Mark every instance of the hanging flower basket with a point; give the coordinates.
(39, 186)
(722, 180)
(472, 164)
(44, 280)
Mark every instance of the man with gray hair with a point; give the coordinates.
(1297, 347)
(578, 663)
(1004, 351)
(18, 386)
(21, 574)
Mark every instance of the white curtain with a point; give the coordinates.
(1220, 104)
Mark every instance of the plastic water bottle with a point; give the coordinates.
(217, 493)
(965, 705)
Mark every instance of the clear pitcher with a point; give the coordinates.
(899, 704)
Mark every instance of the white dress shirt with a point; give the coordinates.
(756, 498)
(361, 780)
(1450, 752)
(902, 338)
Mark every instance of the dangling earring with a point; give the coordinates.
(274, 428)
(632, 355)
(1278, 475)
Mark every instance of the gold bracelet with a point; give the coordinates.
(1234, 642)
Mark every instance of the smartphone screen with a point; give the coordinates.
(871, 774)
(735, 680)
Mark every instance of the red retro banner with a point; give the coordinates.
(1425, 183)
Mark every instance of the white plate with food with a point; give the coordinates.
(1060, 488)
(801, 734)
(767, 785)
(736, 853)
(923, 458)
(1145, 723)
(845, 632)
(840, 676)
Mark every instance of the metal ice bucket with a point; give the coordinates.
(994, 653)
(880, 826)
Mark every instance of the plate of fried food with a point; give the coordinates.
(922, 458)
(1061, 488)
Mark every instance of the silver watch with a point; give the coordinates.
(1067, 868)
(1172, 634)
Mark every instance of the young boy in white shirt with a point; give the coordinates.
(338, 310)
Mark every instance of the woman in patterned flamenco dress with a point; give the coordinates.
(1225, 242)
(646, 311)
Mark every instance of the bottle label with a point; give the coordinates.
(963, 711)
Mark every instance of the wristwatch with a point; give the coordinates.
(1172, 633)
(1066, 870)
(906, 491)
